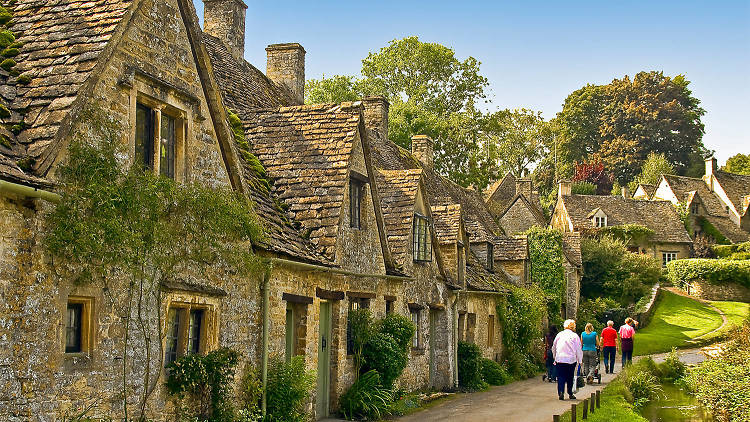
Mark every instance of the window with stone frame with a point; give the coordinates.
(296, 329)
(186, 331)
(389, 305)
(667, 257)
(694, 207)
(159, 133)
(422, 243)
(416, 319)
(79, 325)
(354, 304)
(471, 323)
(356, 191)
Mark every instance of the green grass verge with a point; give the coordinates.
(676, 320)
(736, 313)
(614, 407)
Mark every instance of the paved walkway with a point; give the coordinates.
(529, 401)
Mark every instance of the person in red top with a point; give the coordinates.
(609, 343)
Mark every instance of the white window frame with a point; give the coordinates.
(667, 257)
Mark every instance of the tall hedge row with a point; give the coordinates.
(715, 271)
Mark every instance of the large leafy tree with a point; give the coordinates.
(621, 122)
(739, 164)
(331, 90)
(515, 139)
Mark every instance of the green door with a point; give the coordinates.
(324, 362)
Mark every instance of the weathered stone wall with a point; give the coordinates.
(286, 67)
(225, 19)
(572, 289)
(483, 306)
(724, 291)
(560, 219)
(517, 219)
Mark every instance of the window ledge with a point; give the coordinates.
(417, 350)
(77, 355)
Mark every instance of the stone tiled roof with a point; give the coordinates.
(305, 150)
(736, 186)
(398, 193)
(502, 190)
(62, 40)
(479, 279)
(243, 86)
(649, 189)
(659, 216)
(682, 186)
(509, 248)
(447, 222)
(479, 223)
(572, 248)
(727, 227)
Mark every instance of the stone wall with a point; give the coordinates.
(518, 218)
(724, 291)
(483, 308)
(286, 67)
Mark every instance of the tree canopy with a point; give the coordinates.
(738, 164)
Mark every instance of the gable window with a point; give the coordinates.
(356, 187)
(152, 124)
(694, 208)
(600, 221)
(78, 325)
(667, 257)
(185, 332)
(422, 244)
(490, 256)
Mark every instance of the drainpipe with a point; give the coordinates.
(28, 191)
(266, 328)
(455, 339)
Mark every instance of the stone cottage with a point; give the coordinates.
(586, 213)
(515, 204)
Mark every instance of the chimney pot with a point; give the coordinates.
(376, 115)
(225, 20)
(423, 148)
(565, 188)
(285, 66)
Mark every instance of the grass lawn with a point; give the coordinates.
(736, 313)
(676, 320)
(614, 406)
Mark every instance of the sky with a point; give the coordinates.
(535, 53)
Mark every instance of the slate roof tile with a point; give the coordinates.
(398, 193)
(736, 186)
(507, 248)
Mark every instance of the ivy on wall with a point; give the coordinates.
(547, 271)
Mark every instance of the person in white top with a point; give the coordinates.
(568, 353)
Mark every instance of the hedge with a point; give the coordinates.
(733, 251)
(715, 271)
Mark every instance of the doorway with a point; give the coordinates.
(322, 403)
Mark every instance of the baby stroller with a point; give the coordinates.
(597, 373)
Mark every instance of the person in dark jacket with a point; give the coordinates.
(548, 360)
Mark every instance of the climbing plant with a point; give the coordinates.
(119, 222)
(521, 314)
(547, 271)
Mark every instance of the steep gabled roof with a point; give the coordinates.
(479, 279)
(447, 222)
(736, 186)
(535, 210)
(730, 230)
(501, 190)
(659, 216)
(509, 248)
(244, 86)
(649, 189)
(61, 44)
(682, 186)
(306, 150)
(398, 193)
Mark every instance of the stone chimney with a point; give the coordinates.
(523, 186)
(711, 166)
(625, 193)
(225, 20)
(423, 148)
(564, 188)
(376, 115)
(285, 65)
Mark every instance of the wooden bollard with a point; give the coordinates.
(556, 418)
(593, 399)
(598, 393)
(585, 408)
(573, 412)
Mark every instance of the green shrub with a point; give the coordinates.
(358, 330)
(206, 381)
(595, 311)
(583, 188)
(399, 327)
(470, 367)
(736, 251)
(547, 271)
(715, 271)
(251, 391)
(383, 354)
(644, 387)
(288, 389)
(672, 368)
(366, 398)
(493, 373)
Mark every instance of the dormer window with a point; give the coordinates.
(422, 244)
(600, 221)
(356, 188)
(694, 208)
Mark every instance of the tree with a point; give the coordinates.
(621, 122)
(594, 172)
(331, 90)
(516, 139)
(738, 164)
(652, 170)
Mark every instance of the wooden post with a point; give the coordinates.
(573, 412)
(593, 400)
(556, 418)
(598, 393)
(585, 409)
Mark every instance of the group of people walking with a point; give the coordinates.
(566, 350)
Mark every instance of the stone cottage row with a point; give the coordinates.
(351, 220)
